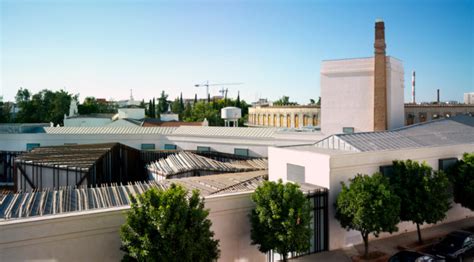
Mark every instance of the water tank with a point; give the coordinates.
(231, 113)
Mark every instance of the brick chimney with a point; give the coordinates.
(380, 78)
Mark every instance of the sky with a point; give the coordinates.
(106, 48)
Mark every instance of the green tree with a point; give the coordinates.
(462, 177)
(167, 226)
(44, 106)
(283, 101)
(281, 218)
(163, 102)
(368, 205)
(187, 112)
(423, 193)
(5, 112)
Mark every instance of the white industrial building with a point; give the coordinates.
(469, 98)
(340, 157)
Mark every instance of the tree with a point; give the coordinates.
(281, 218)
(5, 112)
(167, 226)
(283, 101)
(163, 103)
(423, 193)
(311, 101)
(237, 101)
(462, 177)
(368, 205)
(187, 111)
(195, 98)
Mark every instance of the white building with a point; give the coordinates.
(469, 98)
(340, 157)
(347, 95)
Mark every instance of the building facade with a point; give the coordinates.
(419, 113)
(285, 116)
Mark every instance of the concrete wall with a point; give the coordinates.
(134, 113)
(347, 95)
(395, 93)
(329, 169)
(256, 146)
(94, 235)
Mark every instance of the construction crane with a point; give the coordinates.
(207, 85)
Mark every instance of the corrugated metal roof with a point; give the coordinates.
(51, 202)
(224, 131)
(450, 131)
(184, 162)
(138, 130)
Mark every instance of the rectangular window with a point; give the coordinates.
(31, 146)
(347, 130)
(148, 147)
(241, 152)
(295, 173)
(204, 149)
(170, 147)
(387, 171)
(445, 163)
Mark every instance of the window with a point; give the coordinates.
(295, 173)
(170, 147)
(445, 163)
(148, 147)
(241, 152)
(31, 146)
(204, 149)
(347, 130)
(387, 171)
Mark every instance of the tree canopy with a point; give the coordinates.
(462, 177)
(44, 106)
(167, 226)
(368, 205)
(280, 220)
(283, 101)
(423, 192)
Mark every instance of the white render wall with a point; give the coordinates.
(87, 121)
(329, 169)
(256, 146)
(395, 93)
(134, 113)
(94, 235)
(347, 94)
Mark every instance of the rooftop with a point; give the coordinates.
(51, 202)
(72, 156)
(442, 132)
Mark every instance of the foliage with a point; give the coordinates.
(283, 101)
(44, 106)
(167, 226)
(177, 106)
(368, 205)
(5, 112)
(423, 193)
(92, 106)
(281, 218)
(462, 176)
(163, 102)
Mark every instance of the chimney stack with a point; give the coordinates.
(413, 88)
(380, 78)
(437, 95)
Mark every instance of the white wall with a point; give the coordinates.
(395, 93)
(329, 169)
(347, 95)
(134, 113)
(256, 146)
(316, 165)
(94, 235)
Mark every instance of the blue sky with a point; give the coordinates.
(105, 48)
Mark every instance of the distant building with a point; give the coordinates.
(469, 98)
(285, 116)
